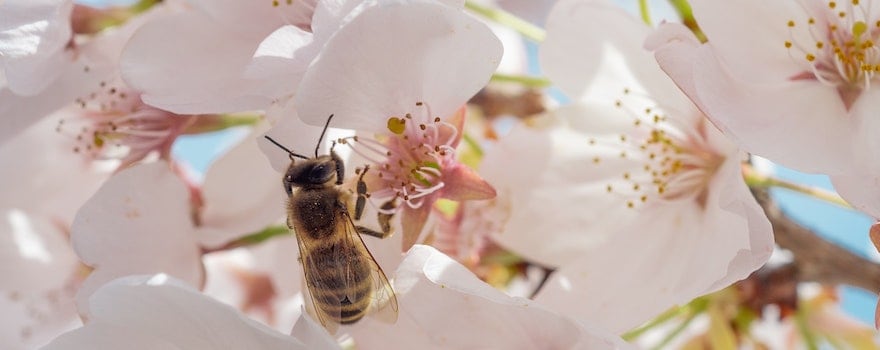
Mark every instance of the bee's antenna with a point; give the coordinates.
(285, 148)
(322, 135)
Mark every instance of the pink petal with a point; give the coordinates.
(443, 306)
(413, 221)
(141, 312)
(257, 19)
(125, 230)
(463, 183)
(241, 195)
(390, 57)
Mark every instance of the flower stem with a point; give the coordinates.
(807, 334)
(252, 238)
(662, 318)
(211, 123)
(675, 332)
(645, 12)
(505, 18)
(525, 80)
(757, 180)
(687, 17)
(689, 311)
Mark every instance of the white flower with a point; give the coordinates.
(402, 70)
(805, 95)
(211, 54)
(160, 312)
(628, 189)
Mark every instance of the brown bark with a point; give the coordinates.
(816, 259)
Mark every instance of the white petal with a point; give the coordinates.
(755, 29)
(587, 61)
(96, 61)
(35, 256)
(557, 196)
(443, 305)
(298, 137)
(33, 35)
(30, 166)
(810, 115)
(125, 229)
(39, 270)
(666, 257)
(160, 312)
(281, 61)
(207, 72)
(241, 195)
(390, 57)
(312, 334)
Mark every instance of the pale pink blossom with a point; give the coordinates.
(398, 71)
(124, 230)
(44, 184)
(149, 312)
(628, 190)
(34, 40)
(60, 76)
(804, 98)
(212, 52)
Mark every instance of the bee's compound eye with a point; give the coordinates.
(320, 173)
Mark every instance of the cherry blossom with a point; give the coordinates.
(123, 230)
(44, 185)
(406, 84)
(141, 312)
(59, 76)
(40, 274)
(443, 305)
(610, 185)
(810, 77)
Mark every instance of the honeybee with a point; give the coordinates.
(344, 281)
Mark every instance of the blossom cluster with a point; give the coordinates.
(628, 195)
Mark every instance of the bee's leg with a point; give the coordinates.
(384, 223)
(370, 232)
(340, 165)
(385, 219)
(362, 194)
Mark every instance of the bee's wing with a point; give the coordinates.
(326, 320)
(384, 304)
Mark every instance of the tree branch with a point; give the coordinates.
(817, 260)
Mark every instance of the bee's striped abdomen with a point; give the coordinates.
(342, 281)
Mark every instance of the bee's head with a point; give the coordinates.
(314, 172)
